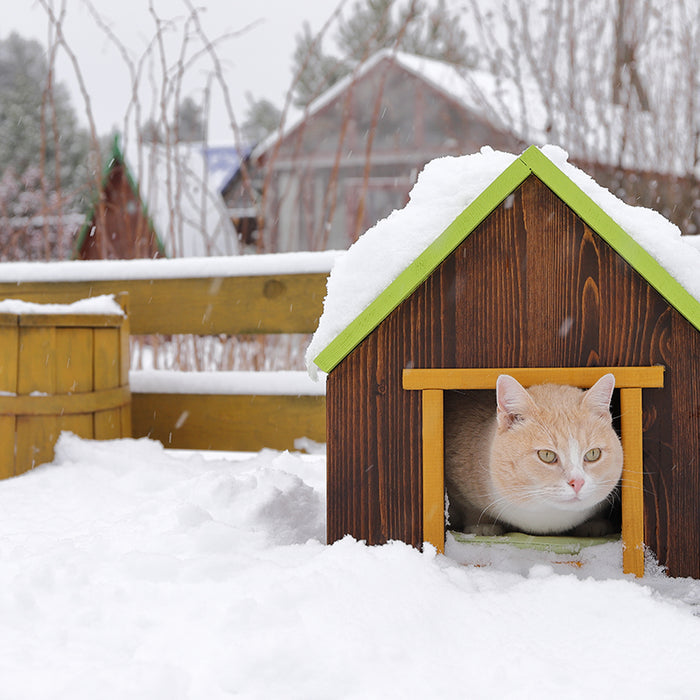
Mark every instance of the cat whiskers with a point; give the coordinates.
(519, 495)
(644, 490)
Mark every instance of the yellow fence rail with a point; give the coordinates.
(205, 305)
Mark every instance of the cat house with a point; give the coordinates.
(520, 264)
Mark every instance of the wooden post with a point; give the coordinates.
(433, 469)
(58, 373)
(9, 363)
(632, 482)
(630, 380)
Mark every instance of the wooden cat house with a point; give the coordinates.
(534, 277)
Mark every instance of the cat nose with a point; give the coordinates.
(576, 484)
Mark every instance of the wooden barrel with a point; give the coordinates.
(60, 371)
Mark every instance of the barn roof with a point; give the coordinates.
(648, 242)
(611, 134)
(467, 88)
(115, 159)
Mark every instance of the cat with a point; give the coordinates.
(545, 461)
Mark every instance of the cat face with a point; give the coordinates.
(554, 448)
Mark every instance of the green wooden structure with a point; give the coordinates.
(490, 292)
(118, 224)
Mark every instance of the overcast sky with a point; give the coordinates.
(257, 60)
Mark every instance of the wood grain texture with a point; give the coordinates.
(223, 422)
(532, 286)
(629, 381)
(210, 305)
(679, 502)
(433, 468)
(35, 435)
(60, 372)
(632, 491)
(74, 374)
(9, 364)
(107, 374)
(485, 378)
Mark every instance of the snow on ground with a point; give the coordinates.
(129, 571)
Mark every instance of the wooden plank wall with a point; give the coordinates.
(199, 305)
(532, 286)
(289, 303)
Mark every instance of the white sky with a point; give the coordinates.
(258, 60)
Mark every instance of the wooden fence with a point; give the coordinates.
(201, 305)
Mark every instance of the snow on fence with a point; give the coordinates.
(264, 294)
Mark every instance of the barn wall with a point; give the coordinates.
(385, 127)
(532, 286)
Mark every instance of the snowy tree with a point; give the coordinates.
(38, 126)
(189, 121)
(151, 132)
(44, 156)
(416, 26)
(188, 125)
(587, 75)
(315, 71)
(262, 118)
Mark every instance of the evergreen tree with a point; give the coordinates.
(187, 126)
(262, 118)
(37, 124)
(315, 70)
(190, 121)
(150, 131)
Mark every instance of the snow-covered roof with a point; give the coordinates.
(181, 193)
(467, 88)
(224, 161)
(593, 132)
(392, 258)
(482, 93)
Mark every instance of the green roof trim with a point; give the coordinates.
(116, 156)
(534, 162)
(613, 234)
(421, 268)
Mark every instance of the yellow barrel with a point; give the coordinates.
(60, 371)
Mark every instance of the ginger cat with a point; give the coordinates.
(544, 462)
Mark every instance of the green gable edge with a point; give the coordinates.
(532, 161)
(421, 268)
(613, 234)
(116, 156)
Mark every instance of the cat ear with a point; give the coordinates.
(512, 400)
(598, 397)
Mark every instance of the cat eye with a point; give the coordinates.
(547, 456)
(592, 455)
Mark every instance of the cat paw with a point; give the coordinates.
(485, 530)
